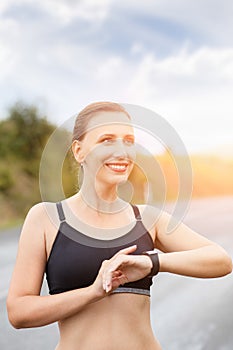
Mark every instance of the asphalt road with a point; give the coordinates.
(186, 313)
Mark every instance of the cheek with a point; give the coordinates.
(132, 153)
(95, 159)
(100, 154)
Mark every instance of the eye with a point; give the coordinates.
(107, 140)
(129, 141)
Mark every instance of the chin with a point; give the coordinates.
(116, 180)
(111, 178)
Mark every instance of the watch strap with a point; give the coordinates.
(155, 262)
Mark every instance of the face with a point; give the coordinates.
(107, 150)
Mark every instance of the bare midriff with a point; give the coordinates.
(118, 322)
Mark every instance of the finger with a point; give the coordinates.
(127, 250)
(122, 279)
(118, 278)
(113, 268)
(108, 280)
(119, 259)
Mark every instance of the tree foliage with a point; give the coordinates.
(24, 133)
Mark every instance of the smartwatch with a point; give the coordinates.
(155, 261)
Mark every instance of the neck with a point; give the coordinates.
(101, 198)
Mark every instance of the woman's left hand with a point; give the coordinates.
(123, 268)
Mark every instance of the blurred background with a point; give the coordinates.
(173, 57)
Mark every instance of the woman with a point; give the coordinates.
(93, 247)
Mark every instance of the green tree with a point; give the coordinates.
(6, 180)
(23, 135)
(29, 131)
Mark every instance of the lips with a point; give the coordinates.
(118, 167)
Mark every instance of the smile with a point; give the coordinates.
(118, 167)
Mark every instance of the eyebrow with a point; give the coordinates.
(114, 135)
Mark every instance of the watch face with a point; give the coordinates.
(151, 252)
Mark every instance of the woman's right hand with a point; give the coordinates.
(98, 286)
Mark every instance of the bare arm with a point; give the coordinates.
(34, 311)
(189, 253)
(186, 253)
(26, 308)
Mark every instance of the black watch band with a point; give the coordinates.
(155, 261)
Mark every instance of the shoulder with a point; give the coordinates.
(157, 218)
(40, 210)
(42, 214)
(150, 214)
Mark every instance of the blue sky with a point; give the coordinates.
(173, 57)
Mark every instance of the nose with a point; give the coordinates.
(120, 148)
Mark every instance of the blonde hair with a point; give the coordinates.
(83, 118)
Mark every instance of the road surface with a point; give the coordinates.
(186, 313)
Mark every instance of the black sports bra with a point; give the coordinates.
(75, 258)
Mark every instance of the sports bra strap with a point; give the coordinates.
(136, 212)
(60, 212)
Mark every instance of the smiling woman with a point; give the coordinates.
(106, 152)
(99, 270)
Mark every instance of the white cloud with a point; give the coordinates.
(210, 19)
(192, 88)
(199, 70)
(89, 10)
(64, 10)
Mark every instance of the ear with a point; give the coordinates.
(77, 151)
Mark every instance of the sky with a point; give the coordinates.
(172, 57)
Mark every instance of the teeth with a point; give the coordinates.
(117, 167)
